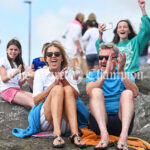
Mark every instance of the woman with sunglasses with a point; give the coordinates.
(127, 41)
(54, 96)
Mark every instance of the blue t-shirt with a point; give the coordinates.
(112, 88)
(38, 63)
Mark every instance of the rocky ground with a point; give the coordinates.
(12, 116)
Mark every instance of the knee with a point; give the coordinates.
(68, 90)
(127, 93)
(96, 93)
(57, 90)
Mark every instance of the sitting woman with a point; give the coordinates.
(58, 112)
(11, 76)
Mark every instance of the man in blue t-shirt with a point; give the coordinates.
(111, 93)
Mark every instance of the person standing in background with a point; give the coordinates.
(91, 17)
(90, 37)
(72, 36)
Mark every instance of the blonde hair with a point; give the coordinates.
(80, 17)
(57, 44)
(92, 16)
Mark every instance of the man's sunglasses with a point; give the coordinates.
(106, 57)
(50, 54)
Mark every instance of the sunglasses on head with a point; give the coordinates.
(106, 57)
(50, 54)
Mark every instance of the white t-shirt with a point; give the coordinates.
(13, 82)
(44, 78)
(72, 33)
(90, 37)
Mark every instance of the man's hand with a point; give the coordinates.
(109, 66)
(121, 62)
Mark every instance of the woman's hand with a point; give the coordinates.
(60, 77)
(101, 28)
(142, 6)
(15, 72)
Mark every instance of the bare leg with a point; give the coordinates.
(28, 94)
(23, 99)
(98, 110)
(126, 103)
(53, 107)
(71, 112)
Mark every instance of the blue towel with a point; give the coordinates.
(82, 114)
(34, 120)
(34, 123)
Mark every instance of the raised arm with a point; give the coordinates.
(142, 6)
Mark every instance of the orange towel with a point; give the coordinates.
(91, 138)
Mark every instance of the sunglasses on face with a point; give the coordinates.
(106, 57)
(50, 54)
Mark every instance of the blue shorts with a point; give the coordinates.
(114, 125)
(92, 60)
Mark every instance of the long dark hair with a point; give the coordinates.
(132, 33)
(18, 60)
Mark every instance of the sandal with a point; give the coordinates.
(109, 144)
(78, 139)
(58, 137)
(123, 144)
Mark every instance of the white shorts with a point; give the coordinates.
(71, 54)
(46, 126)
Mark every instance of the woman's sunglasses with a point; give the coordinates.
(50, 54)
(106, 57)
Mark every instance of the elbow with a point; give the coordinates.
(136, 93)
(4, 80)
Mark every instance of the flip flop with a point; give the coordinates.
(58, 137)
(109, 144)
(123, 144)
(78, 138)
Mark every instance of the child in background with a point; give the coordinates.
(39, 62)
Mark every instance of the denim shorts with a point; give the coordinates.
(114, 125)
(92, 60)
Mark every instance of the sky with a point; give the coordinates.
(50, 18)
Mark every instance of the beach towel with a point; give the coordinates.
(43, 135)
(91, 138)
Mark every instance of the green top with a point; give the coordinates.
(133, 47)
